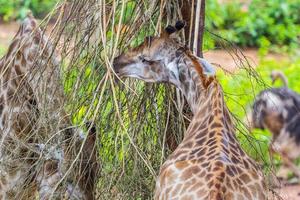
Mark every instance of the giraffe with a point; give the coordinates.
(209, 163)
(31, 100)
(277, 110)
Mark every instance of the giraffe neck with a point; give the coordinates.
(35, 65)
(191, 80)
(211, 129)
(204, 96)
(31, 92)
(211, 113)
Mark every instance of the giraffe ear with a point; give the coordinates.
(179, 25)
(170, 29)
(207, 67)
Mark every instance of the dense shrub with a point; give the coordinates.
(15, 9)
(264, 23)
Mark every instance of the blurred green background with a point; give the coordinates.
(17, 9)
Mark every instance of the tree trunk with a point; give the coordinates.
(193, 13)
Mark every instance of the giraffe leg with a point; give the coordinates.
(2, 186)
(48, 187)
(15, 183)
(80, 181)
(288, 162)
(271, 152)
(47, 179)
(274, 179)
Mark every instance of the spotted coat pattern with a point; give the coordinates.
(209, 163)
(31, 100)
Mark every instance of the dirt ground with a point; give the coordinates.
(7, 32)
(227, 62)
(217, 57)
(291, 192)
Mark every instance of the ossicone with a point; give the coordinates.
(178, 26)
(170, 29)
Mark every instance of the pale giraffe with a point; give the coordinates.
(31, 112)
(209, 163)
(81, 182)
(278, 110)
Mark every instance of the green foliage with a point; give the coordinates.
(264, 23)
(15, 9)
(41, 7)
(2, 50)
(7, 9)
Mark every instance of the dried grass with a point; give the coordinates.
(137, 123)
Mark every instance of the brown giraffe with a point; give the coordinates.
(209, 163)
(31, 112)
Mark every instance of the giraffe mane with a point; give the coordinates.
(199, 69)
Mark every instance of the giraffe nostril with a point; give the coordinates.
(116, 66)
(119, 63)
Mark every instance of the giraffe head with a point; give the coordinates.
(276, 74)
(156, 59)
(164, 59)
(268, 111)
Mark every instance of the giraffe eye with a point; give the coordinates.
(146, 60)
(142, 58)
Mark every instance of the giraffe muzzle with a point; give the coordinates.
(120, 63)
(117, 65)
